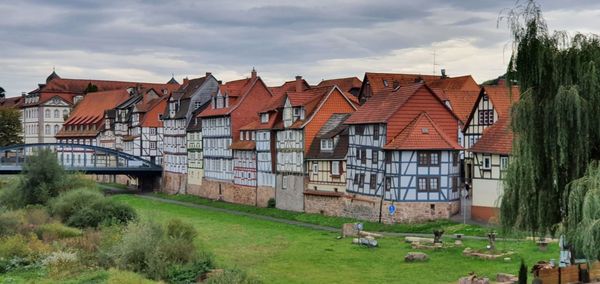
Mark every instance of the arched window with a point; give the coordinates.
(65, 113)
(56, 113)
(47, 129)
(55, 128)
(47, 113)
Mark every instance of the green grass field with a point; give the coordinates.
(281, 253)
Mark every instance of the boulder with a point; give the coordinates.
(415, 256)
(366, 242)
(473, 279)
(418, 239)
(506, 278)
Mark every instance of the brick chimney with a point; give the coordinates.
(208, 74)
(299, 85)
(253, 74)
(186, 80)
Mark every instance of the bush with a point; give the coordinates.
(89, 208)
(43, 178)
(61, 264)
(10, 223)
(233, 276)
(27, 247)
(36, 215)
(271, 203)
(56, 231)
(139, 243)
(189, 273)
(10, 197)
(126, 277)
(178, 229)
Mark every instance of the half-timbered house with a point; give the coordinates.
(177, 114)
(304, 113)
(492, 104)
(403, 150)
(350, 84)
(491, 155)
(195, 153)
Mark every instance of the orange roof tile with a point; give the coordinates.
(289, 86)
(94, 104)
(496, 139)
(502, 98)
(461, 83)
(379, 108)
(153, 111)
(382, 83)
(462, 102)
(345, 84)
(422, 134)
(235, 90)
(243, 145)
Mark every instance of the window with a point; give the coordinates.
(429, 159)
(428, 184)
(360, 129)
(335, 168)
(152, 145)
(152, 131)
(264, 117)
(326, 144)
(503, 163)
(375, 132)
(373, 182)
(487, 162)
(315, 168)
(388, 183)
(56, 113)
(486, 117)
(47, 129)
(55, 128)
(388, 158)
(47, 113)
(284, 182)
(65, 113)
(356, 178)
(455, 182)
(455, 159)
(361, 181)
(375, 157)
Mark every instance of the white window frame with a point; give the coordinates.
(488, 165)
(335, 168)
(327, 144)
(315, 168)
(264, 117)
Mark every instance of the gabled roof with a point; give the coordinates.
(152, 109)
(462, 102)
(79, 86)
(333, 127)
(422, 134)
(382, 83)
(502, 98)
(236, 91)
(496, 139)
(461, 83)
(188, 88)
(379, 108)
(91, 109)
(13, 102)
(345, 84)
(289, 86)
(243, 145)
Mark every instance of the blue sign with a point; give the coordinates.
(392, 209)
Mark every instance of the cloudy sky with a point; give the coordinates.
(148, 40)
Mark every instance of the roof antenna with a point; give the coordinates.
(53, 68)
(434, 64)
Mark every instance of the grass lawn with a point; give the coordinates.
(449, 227)
(281, 253)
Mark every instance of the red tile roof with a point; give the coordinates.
(502, 98)
(13, 102)
(243, 145)
(345, 84)
(152, 111)
(496, 139)
(289, 86)
(383, 83)
(379, 108)
(461, 83)
(90, 111)
(462, 102)
(422, 134)
(236, 91)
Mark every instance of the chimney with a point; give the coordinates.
(23, 94)
(186, 80)
(253, 73)
(299, 83)
(444, 73)
(208, 74)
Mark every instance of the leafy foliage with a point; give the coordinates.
(556, 126)
(10, 127)
(42, 179)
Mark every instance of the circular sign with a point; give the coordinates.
(359, 226)
(392, 209)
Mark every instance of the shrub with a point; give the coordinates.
(10, 223)
(233, 276)
(189, 273)
(178, 229)
(36, 215)
(10, 197)
(28, 247)
(177, 250)
(89, 208)
(56, 231)
(42, 178)
(139, 243)
(126, 277)
(61, 264)
(271, 203)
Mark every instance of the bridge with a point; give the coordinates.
(86, 159)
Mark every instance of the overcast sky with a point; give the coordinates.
(318, 39)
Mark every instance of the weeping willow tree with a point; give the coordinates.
(557, 130)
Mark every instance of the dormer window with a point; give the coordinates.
(264, 117)
(327, 145)
(242, 135)
(385, 83)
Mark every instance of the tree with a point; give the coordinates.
(2, 93)
(10, 127)
(556, 126)
(43, 178)
(91, 88)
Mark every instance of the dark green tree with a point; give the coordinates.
(2, 93)
(522, 272)
(91, 88)
(43, 178)
(556, 126)
(10, 127)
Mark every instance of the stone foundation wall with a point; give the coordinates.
(367, 208)
(173, 182)
(485, 214)
(225, 191)
(264, 194)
